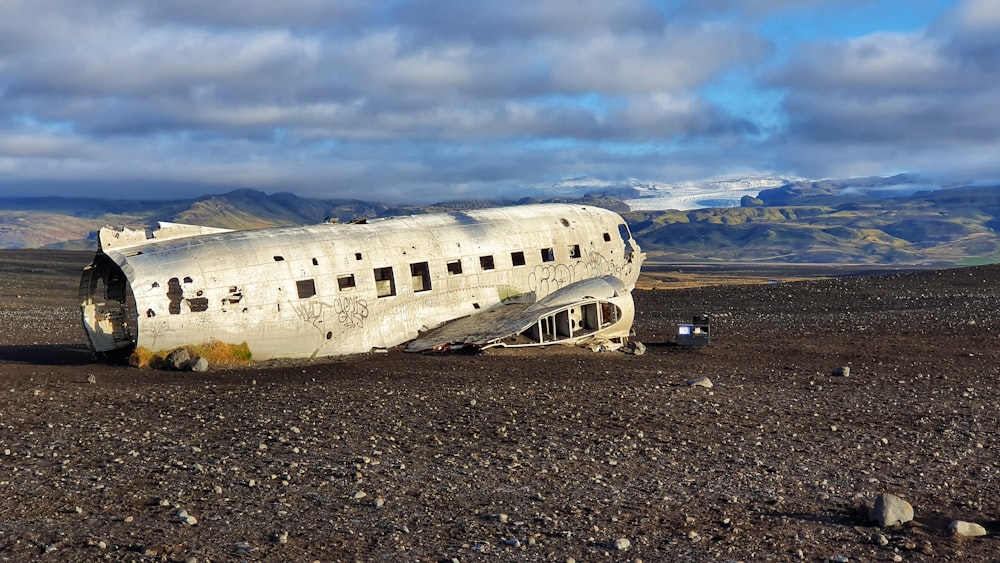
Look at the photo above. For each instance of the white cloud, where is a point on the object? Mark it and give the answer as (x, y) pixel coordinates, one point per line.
(410, 98)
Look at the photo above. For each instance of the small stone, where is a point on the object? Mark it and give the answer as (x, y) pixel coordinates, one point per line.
(198, 365)
(379, 501)
(842, 371)
(634, 347)
(186, 518)
(503, 518)
(91, 378)
(890, 510)
(244, 547)
(700, 382)
(967, 529)
(359, 495)
(513, 542)
(838, 559)
(621, 544)
(281, 537)
(218, 490)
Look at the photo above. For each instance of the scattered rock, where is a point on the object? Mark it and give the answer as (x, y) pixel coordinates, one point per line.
(700, 382)
(890, 510)
(199, 365)
(842, 371)
(91, 378)
(186, 518)
(634, 347)
(244, 547)
(967, 529)
(621, 544)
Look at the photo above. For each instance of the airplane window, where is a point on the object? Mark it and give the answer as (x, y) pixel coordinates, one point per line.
(574, 251)
(548, 255)
(455, 268)
(607, 237)
(306, 288)
(175, 294)
(623, 232)
(421, 276)
(385, 284)
(486, 262)
(346, 283)
(517, 258)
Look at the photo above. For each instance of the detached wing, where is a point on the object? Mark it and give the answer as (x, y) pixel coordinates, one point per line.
(594, 310)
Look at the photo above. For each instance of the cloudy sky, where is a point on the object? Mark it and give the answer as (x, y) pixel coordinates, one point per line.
(410, 101)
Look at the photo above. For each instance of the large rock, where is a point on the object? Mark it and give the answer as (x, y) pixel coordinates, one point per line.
(967, 529)
(890, 510)
(178, 359)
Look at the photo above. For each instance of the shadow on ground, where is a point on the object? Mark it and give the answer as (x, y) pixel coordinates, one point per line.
(47, 354)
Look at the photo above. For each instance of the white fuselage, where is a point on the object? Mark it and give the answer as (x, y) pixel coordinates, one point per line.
(331, 289)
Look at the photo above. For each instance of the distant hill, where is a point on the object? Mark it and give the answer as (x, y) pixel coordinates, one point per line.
(829, 221)
(69, 223)
(941, 227)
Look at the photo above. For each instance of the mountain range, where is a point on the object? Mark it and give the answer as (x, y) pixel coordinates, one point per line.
(858, 220)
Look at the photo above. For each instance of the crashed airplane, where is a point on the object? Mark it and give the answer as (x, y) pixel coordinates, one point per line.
(515, 276)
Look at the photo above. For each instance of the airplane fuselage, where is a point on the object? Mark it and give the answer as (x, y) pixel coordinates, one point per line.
(330, 289)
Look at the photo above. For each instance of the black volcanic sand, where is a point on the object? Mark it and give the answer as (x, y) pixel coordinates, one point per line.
(518, 455)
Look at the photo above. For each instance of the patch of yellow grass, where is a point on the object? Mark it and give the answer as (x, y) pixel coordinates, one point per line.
(217, 353)
(142, 357)
(222, 353)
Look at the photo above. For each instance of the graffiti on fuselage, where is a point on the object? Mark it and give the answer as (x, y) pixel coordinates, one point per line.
(311, 312)
(351, 311)
(547, 278)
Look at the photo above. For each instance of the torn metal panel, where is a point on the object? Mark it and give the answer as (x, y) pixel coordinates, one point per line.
(599, 309)
(331, 289)
(109, 238)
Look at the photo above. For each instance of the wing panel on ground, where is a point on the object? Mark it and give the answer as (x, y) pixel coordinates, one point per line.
(594, 309)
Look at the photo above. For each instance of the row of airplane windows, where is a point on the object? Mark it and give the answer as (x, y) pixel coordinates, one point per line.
(420, 275)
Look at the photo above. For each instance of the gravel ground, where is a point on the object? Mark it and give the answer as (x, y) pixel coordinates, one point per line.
(538, 455)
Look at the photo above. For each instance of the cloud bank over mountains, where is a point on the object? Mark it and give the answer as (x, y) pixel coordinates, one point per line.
(420, 101)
